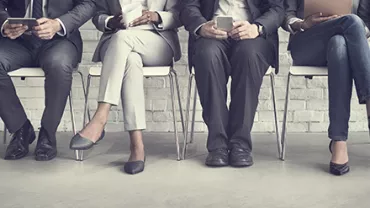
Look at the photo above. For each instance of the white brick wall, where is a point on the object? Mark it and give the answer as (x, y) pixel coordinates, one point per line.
(307, 108)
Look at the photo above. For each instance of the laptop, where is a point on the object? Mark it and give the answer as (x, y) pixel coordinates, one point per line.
(327, 7)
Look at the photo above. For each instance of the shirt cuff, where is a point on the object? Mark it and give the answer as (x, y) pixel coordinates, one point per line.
(2, 28)
(292, 21)
(106, 22)
(63, 32)
(196, 30)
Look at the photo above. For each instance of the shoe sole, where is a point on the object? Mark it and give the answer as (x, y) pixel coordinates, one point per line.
(16, 158)
(241, 164)
(216, 165)
(42, 158)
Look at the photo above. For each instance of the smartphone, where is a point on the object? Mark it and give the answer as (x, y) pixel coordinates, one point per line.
(30, 22)
(224, 23)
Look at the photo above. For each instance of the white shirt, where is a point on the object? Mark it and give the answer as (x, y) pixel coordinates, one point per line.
(238, 9)
(29, 15)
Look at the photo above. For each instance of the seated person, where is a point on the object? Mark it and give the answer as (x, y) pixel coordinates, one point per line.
(245, 53)
(55, 46)
(151, 40)
(341, 44)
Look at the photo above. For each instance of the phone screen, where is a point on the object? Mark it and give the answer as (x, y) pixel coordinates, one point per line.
(224, 23)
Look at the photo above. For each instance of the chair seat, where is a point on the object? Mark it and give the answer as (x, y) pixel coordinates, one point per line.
(269, 71)
(27, 72)
(157, 71)
(308, 71)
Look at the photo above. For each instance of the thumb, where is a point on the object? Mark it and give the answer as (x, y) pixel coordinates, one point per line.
(42, 20)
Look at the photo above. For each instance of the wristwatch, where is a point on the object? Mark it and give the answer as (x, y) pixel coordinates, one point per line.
(261, 30)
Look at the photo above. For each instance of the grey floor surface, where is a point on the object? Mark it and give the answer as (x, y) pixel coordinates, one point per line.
(301, 181)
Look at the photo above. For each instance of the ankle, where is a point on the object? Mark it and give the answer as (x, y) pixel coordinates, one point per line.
(136, 147)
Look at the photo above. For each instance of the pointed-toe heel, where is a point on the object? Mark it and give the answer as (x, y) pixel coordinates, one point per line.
(80, 143)
(337, 169)
(134, 167)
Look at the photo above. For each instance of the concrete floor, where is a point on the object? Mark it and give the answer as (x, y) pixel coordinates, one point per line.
(301, 181)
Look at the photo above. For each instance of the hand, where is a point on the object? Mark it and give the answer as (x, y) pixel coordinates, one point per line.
(14, 31)
(47, 28)
(146, 18)
(116, 22)
(244, 30)
(209, 30)
(316, 19)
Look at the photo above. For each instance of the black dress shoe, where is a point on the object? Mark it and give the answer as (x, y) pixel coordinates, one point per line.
(337, 169)
(240, 158)
(18, 147)
(134, 167)
(218, 158)
(80, 143)
(46, 148)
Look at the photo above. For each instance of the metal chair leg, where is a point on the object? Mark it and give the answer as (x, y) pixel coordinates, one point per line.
(179, 100)
(5, 133)
(86, 108)
(174, 115)
(194, 112)
(283, 132)
(72, 113)
(187, 112)
(272, 78)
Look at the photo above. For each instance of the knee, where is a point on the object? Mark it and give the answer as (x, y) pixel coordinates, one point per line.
(4, 67)
(355, 20)
(206, 51)
(246, 50)
(337, 46)
(58, 66)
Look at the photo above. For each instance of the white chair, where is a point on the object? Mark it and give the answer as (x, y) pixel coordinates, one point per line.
(24, 73)
(149, 72)
(269, 73)
(301, 71)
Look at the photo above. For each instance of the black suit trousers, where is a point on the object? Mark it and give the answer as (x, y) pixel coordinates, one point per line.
(58, 58)
(246, 62)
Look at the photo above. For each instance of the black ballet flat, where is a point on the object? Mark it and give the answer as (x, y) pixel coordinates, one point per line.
(337, 169)
(134, 167)
(80, 143)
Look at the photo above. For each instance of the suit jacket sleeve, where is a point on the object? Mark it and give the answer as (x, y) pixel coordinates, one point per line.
(271, 20)
(191, 16)
(79, 15)
(3, 13)
(291, 8)
(364, 13)
(170, 16)
(100, 18)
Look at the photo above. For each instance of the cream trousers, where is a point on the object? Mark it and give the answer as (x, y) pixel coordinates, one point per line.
(123, 57)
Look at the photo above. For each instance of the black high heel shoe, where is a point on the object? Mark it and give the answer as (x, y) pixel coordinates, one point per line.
(135, 167)
(80, 143)
(337, 169)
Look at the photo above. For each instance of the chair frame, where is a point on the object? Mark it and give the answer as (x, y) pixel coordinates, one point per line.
(172, 75)
(191, 78)
(69, 96)
(292, 74)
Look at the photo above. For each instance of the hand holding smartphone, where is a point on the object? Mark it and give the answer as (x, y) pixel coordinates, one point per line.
(224, 23)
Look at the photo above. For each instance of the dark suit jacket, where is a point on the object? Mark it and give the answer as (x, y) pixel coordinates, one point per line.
(73, 14)
(269, 13)
(295, 8)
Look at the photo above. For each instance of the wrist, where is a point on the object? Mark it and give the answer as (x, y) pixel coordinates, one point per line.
(57, 26)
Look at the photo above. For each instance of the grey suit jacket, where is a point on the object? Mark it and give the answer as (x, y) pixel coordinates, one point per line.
(73, 14)
(295, 8)
(167, 9)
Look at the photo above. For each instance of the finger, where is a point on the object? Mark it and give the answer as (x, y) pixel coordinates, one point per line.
(14, 26)
(238, 30)
(139, 20)
(42, 20)
(142, 22)
(41, 27)
(240, 23)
